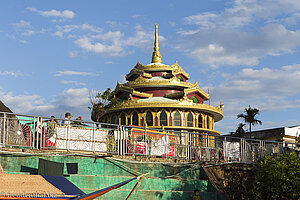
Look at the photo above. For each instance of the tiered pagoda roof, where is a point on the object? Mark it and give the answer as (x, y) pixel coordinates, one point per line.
(158, 86)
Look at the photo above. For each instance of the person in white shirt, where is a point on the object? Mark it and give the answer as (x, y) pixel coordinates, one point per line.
(66, 122)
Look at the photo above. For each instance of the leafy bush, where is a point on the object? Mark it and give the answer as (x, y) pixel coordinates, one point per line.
(278, 178)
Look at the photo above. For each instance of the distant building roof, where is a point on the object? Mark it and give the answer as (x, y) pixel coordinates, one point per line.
(292, 131)
(4, 108)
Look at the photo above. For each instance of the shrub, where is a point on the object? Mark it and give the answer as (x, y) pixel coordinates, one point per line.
(278, 178)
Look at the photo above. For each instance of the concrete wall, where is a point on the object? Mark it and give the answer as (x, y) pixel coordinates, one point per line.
(98, 173)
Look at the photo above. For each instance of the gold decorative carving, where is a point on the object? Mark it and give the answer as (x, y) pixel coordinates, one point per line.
(216, 112)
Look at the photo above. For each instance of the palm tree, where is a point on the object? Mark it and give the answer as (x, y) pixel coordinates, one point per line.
(239, 132)
(249, 116)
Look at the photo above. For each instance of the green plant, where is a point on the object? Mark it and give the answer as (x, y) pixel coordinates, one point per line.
(249, 117)
(101, 102)
(278, 178)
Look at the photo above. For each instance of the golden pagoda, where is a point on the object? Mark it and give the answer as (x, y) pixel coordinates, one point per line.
(158, 96)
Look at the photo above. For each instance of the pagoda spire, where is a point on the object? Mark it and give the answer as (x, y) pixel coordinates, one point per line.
(156, 56)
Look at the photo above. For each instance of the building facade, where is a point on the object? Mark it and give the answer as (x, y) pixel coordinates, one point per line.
(157, 95)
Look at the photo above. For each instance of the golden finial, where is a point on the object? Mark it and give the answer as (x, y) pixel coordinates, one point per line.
(156, 56)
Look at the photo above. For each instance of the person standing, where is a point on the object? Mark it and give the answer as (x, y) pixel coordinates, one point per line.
(66, 121)
(196, 195)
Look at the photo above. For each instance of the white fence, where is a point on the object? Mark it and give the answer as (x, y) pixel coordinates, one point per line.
(24, 131)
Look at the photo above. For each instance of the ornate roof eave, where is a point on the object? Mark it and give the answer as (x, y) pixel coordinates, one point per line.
(216, 112)
(142, 94)
(179, 70)
(157, 67)
(123, 88)
(196, 88)
(172, 83)
(137, 72)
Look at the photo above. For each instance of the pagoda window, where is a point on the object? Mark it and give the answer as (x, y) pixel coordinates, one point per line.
(149, 118)
(163, 118)
(190, 120)
(123, 119)
(128, 121)
(194, 99)
(177, 119)
(135, 119)
(207, 122)
(200, 122)
(113, 119)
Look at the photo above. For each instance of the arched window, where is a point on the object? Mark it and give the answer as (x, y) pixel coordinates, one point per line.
(149, 119)
(207, 122)
(200, 122)
(128, 120)
(194, 99)
(135, 119)
(190, 120)
(123, 119)
(177, 119)
(113, 119)
(163, 118)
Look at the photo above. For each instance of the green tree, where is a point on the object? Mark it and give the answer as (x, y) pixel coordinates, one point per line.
(249, 117)
(239, 132)
(298, 139)
(101, 102)
(277, 178)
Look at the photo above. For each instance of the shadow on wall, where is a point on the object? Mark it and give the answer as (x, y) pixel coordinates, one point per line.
(31, 170)
(189, 177)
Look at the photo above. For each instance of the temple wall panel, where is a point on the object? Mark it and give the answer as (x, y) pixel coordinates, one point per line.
(156, 74)
(183, 78)
(195, 94)
(187, 123)
(158, 92)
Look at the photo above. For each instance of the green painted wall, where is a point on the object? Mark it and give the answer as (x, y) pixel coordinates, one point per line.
(94, 174)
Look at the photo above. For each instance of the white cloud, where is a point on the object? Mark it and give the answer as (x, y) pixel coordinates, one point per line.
(73, 54)
(24, 103)
(69, 72)
(54, 13)
(114, 43)
(29, 33)
(229, 47)
(74, 100)
(23, 41)
(59, 34)
(11, 73)
(98, 47)
(243, 13)
(267, 89)
(61, 30)
(76, 83)
(22, 24)
(243, 33)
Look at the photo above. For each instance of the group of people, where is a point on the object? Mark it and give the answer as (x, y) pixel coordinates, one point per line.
(67, 121)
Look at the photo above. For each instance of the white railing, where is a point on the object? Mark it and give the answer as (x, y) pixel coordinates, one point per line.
(34, 132)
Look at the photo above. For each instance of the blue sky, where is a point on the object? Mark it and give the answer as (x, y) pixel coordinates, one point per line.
(246, 52)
